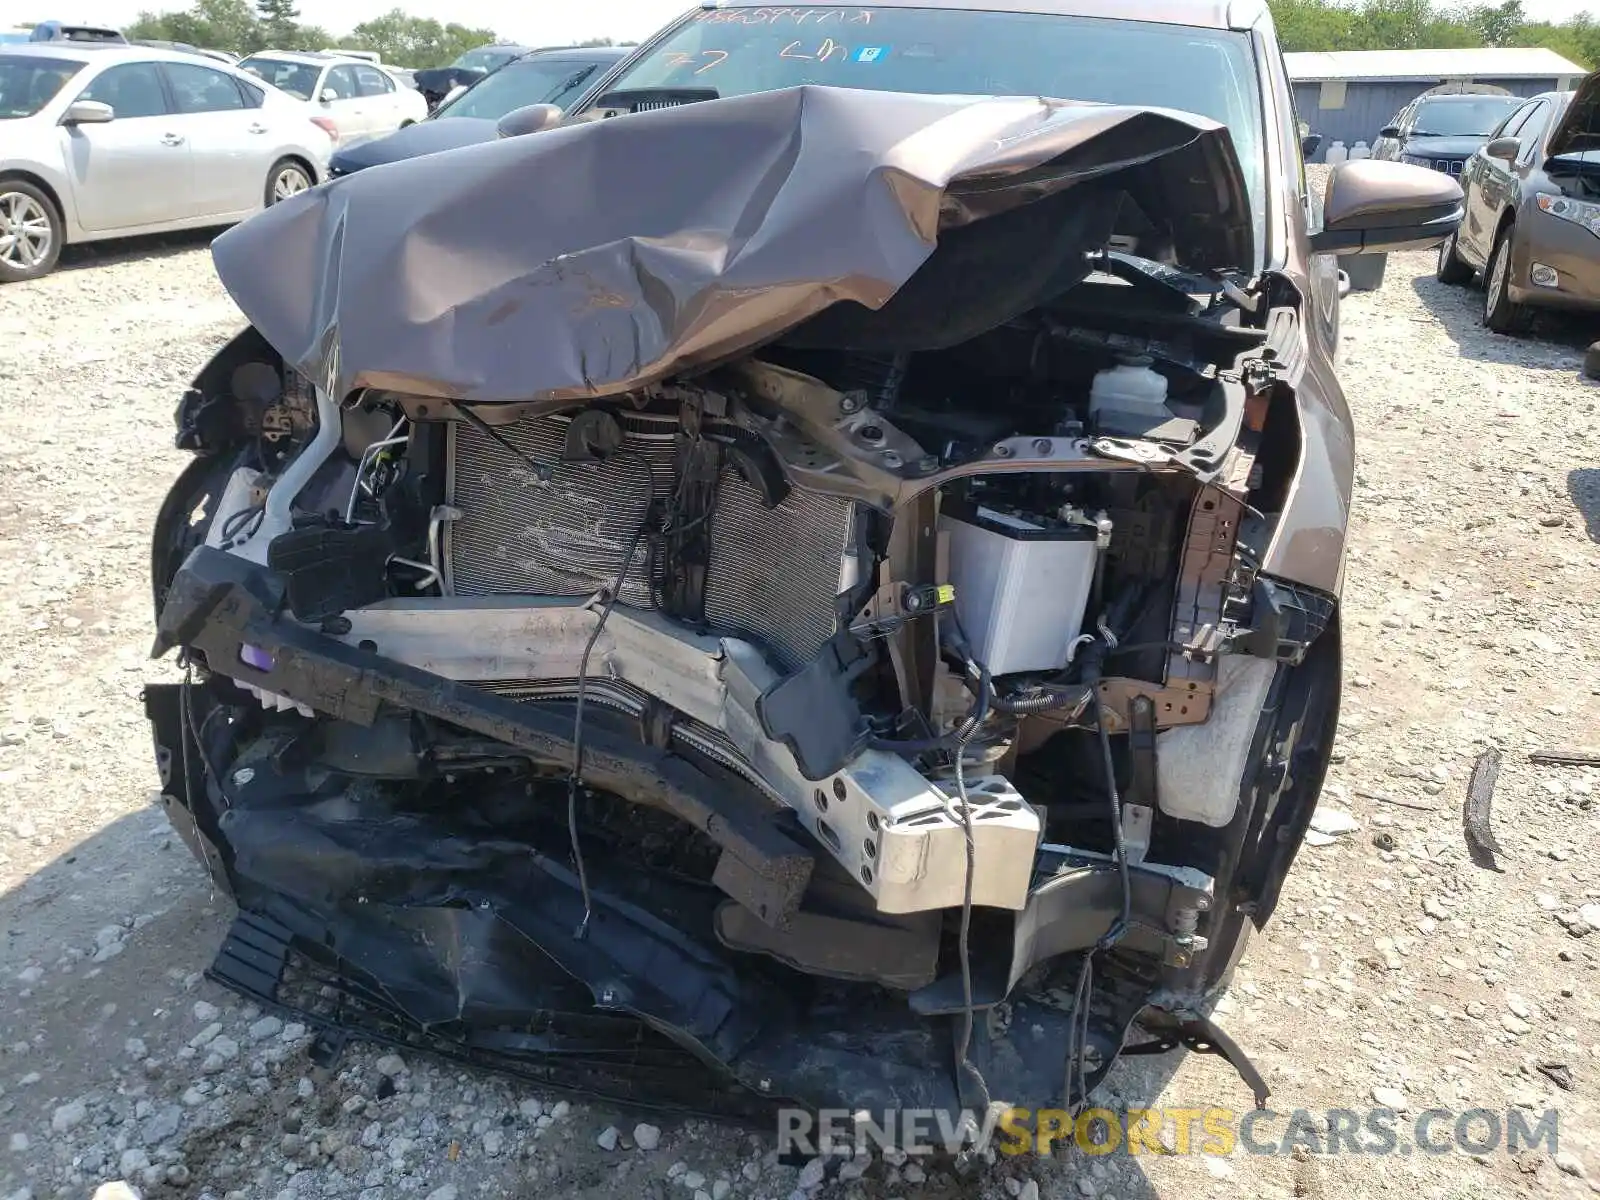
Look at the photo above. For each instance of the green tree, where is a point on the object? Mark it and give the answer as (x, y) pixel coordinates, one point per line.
(280, 20)
(415, 41)
(1501, 24)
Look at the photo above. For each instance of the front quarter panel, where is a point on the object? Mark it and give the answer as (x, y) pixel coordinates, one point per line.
(1309, 543)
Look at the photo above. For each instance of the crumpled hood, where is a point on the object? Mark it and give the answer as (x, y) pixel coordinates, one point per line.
(603, 255)
(425, 137)
(1579, 127)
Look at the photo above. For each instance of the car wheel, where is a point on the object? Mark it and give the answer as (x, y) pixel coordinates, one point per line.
(1500, 312)
(287, 178)
(1452, 269)
(30, 232)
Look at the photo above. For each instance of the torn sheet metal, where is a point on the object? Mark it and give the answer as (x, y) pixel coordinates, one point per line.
(591, 259)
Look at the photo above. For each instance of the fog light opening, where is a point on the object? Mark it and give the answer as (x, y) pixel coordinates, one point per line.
(1544, 276)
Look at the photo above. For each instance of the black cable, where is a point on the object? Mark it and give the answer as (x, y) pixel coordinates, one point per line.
(541, 471)
(1141, 647)
(1078, 1038)
(235, 522)
(583, 676)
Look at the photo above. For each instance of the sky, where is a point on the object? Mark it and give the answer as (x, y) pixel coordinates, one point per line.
(542, 22)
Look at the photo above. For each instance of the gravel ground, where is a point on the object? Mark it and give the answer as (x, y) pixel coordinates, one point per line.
(1398, 972)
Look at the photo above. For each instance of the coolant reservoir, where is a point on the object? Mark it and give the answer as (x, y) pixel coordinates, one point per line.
(1337, 153)
(1129, 398)
(1359, 151)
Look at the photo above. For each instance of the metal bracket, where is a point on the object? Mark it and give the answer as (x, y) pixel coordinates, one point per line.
(1201, 1036)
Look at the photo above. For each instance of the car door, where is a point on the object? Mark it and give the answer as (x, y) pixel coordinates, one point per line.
(1483, 181)
(347, 107)
(1502, 181)
(135, 169)
(225, 140)
(380, 100)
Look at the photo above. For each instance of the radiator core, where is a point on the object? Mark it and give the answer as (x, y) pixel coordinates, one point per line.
(773, 577)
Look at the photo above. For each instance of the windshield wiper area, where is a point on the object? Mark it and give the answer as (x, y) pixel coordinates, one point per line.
(633, 100)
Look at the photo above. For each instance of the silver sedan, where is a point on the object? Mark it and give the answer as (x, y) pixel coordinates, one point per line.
(113, 141)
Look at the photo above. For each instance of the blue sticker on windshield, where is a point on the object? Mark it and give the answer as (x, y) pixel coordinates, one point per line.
(871, 54)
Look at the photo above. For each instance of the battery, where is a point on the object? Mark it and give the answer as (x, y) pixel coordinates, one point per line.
(1022, 585)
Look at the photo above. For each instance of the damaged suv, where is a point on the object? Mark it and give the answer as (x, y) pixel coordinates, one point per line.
(834, 604)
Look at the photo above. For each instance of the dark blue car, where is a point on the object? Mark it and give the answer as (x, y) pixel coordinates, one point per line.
(541, 77)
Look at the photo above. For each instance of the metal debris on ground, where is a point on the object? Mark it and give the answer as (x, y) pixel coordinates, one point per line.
(1565, 758)
(1475, 813)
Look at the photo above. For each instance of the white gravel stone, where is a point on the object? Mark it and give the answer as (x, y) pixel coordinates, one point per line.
(69, 1116)
(391, 1065)
(608, 1138)
(264, 1028)
(646, 1137)
(1030, 1190)
(1391, 1097)
(811, 1175)
(205, 1012)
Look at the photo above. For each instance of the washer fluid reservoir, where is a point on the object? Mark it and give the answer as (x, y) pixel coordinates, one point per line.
(1129, 398)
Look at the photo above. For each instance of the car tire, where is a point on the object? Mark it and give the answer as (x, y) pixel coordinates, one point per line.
(1500, 313)
(30, 232)
(1452, 269)
(288, 177)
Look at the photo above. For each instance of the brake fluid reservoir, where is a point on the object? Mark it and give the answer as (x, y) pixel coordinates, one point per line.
(1129, 398)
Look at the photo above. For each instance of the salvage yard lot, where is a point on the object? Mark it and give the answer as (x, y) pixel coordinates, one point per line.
(1471, 621)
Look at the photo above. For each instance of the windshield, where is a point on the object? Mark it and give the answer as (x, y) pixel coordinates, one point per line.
(28, 83)
(298, 79)
(532, 81)
(484, 60)
(1462, 118)
(958, 52)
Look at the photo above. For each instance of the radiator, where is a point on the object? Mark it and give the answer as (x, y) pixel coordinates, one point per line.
(774, 576)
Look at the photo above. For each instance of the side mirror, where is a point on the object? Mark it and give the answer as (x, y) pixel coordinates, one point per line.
(1389, 131)
(533, 118)
(328, 95)
(1310, 144)
(88, 112)
(1373, 206)
(1505, 149)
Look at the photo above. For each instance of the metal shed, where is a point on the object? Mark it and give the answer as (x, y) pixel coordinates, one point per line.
(1349, 95)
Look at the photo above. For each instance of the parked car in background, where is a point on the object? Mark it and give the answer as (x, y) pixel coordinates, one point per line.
(543, 77)
(1532, 222)
(435, 83)
(371, 56)
(100, 141)
(186, 48)
(360, 100)
(1443, 131)
(57, 31)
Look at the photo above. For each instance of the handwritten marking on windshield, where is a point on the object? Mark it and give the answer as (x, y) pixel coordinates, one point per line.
(776, 16)
(682, 58)
(828, 49)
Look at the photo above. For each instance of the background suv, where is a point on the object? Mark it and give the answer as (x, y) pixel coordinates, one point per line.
(1442, 132)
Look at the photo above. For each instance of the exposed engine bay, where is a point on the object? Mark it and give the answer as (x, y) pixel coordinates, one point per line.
(824, 716)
